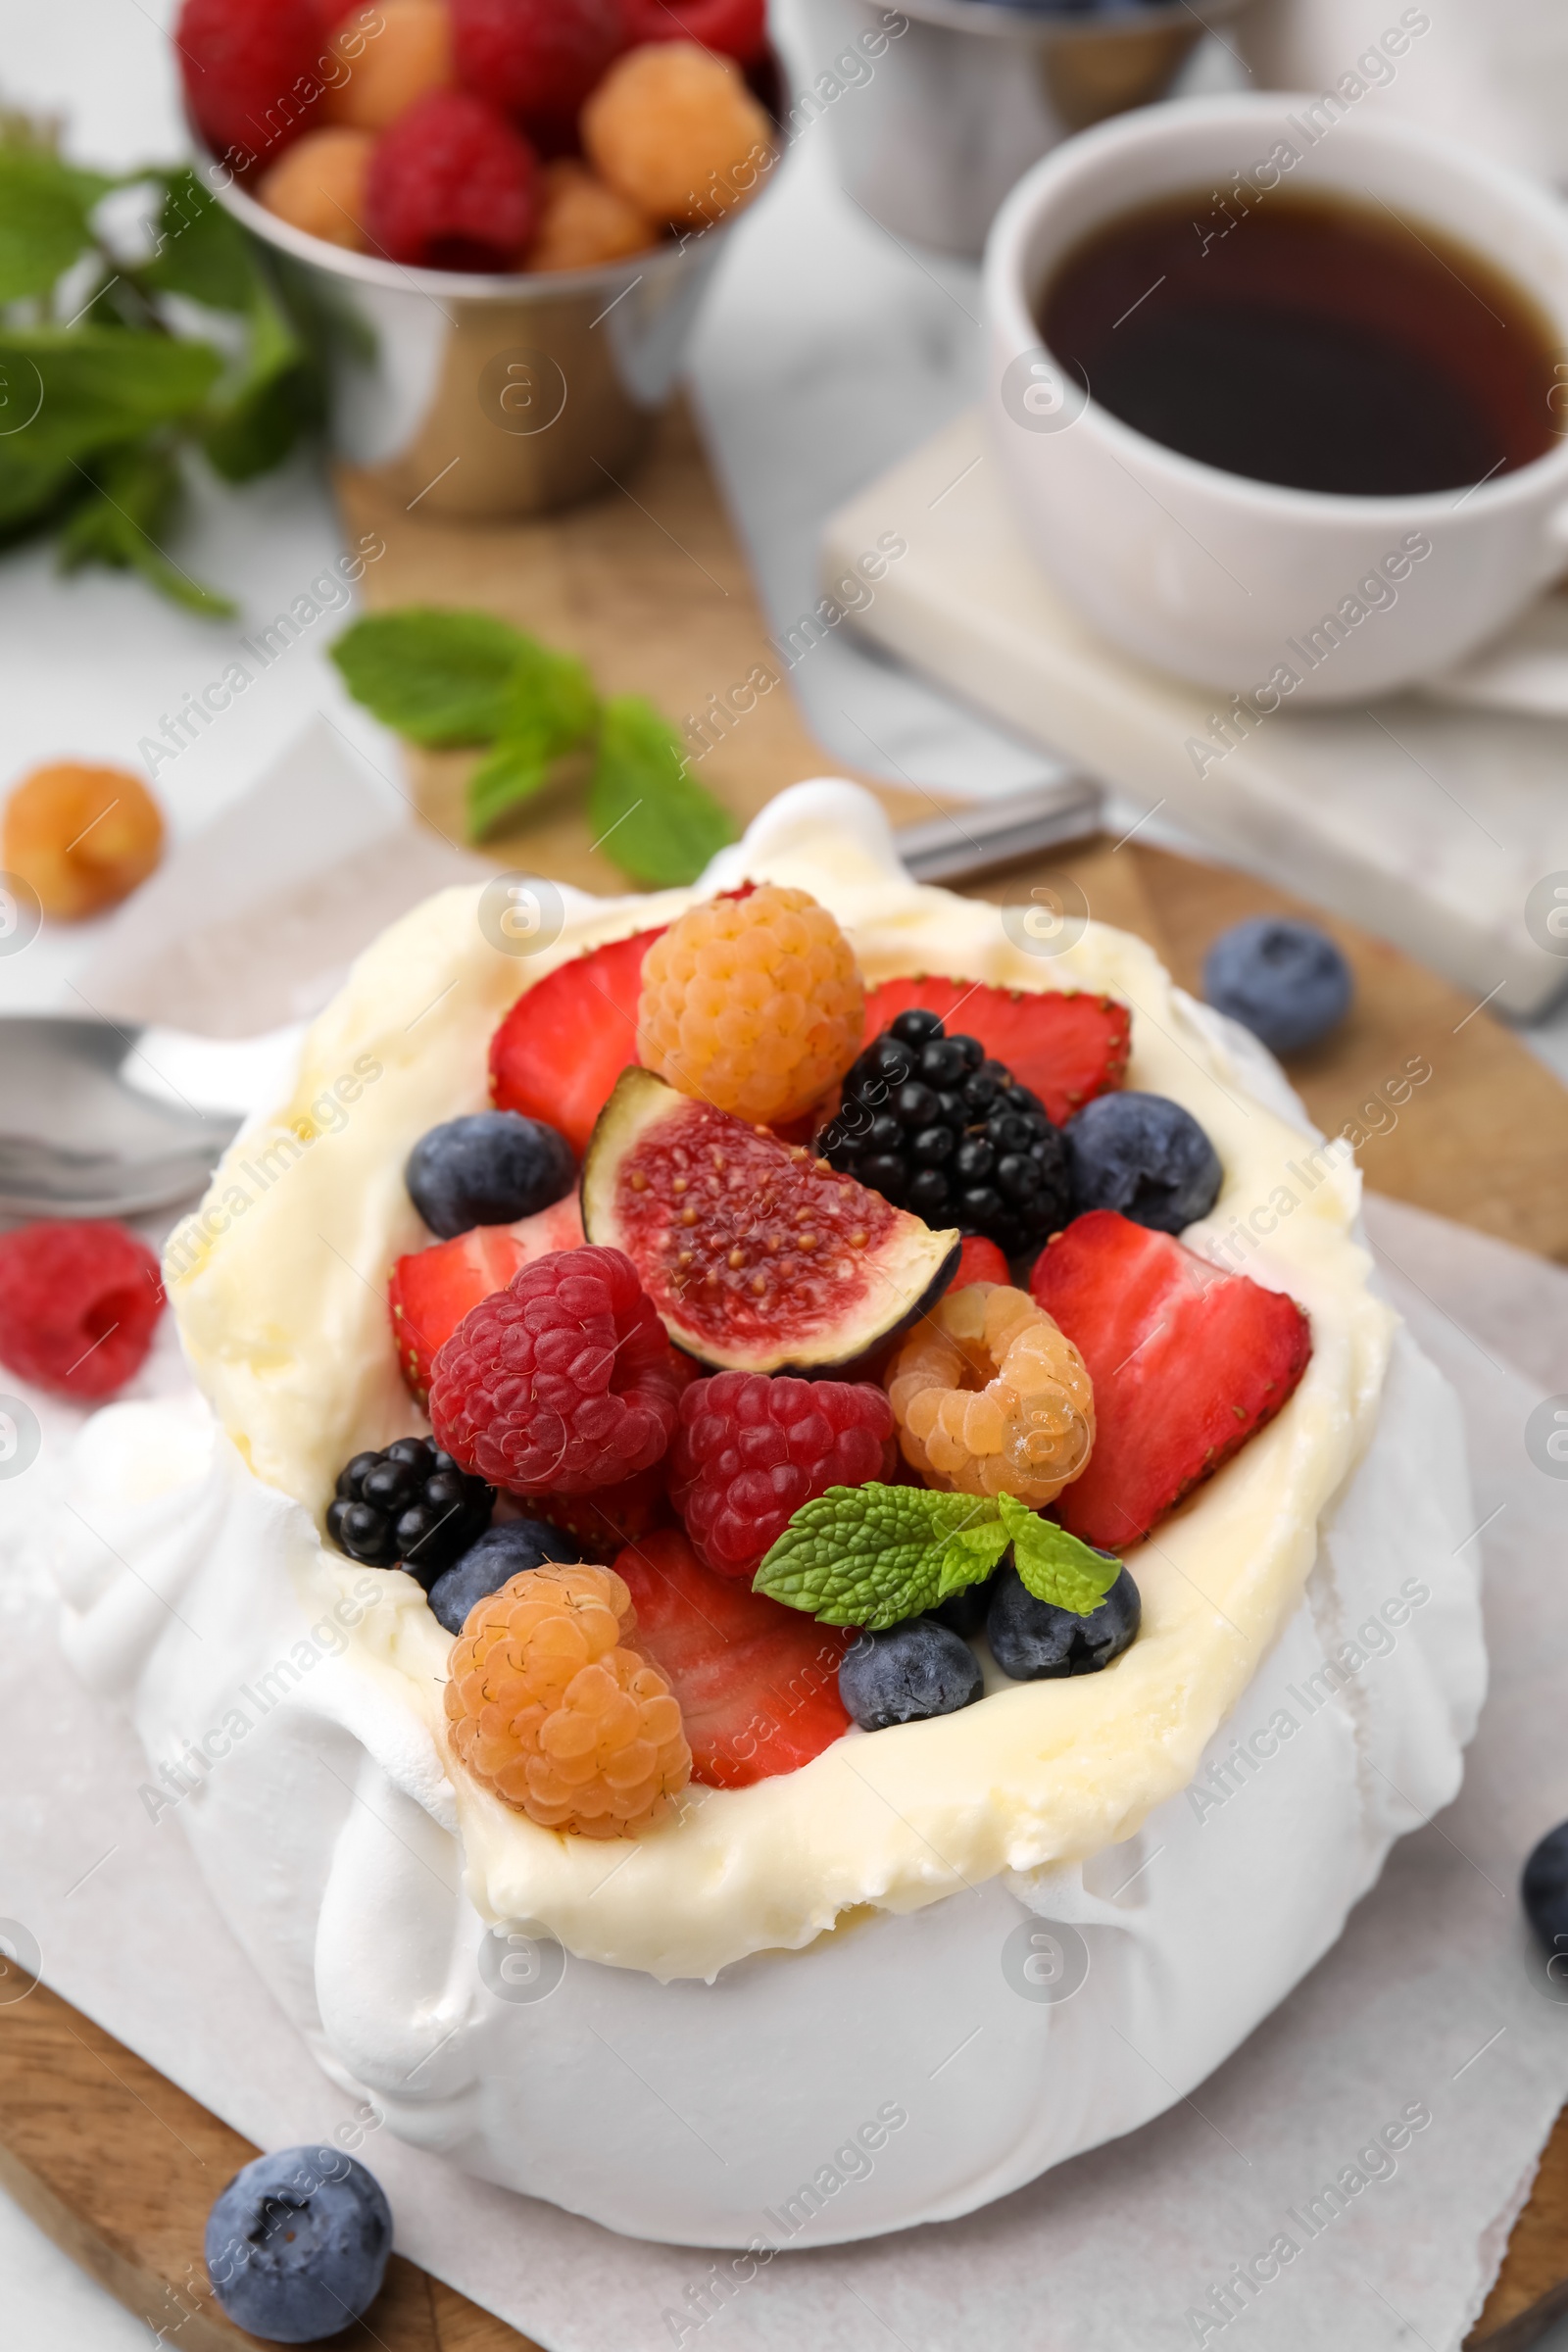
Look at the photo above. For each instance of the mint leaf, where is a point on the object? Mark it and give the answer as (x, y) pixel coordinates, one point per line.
(45, 219)
(1054, 1565)
(873, 1555)
(511, 773)
(648, 813)
(552, 708)
(90, 387)
(201, 252)
(134, 500)
(253, 420)
(435, 675)
(970, 1557)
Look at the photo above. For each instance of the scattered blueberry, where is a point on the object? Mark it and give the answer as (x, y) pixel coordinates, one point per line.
(966, 1612)
(1544, 1889)
(501, 1552)
(490, 1169)
(412, 1504)
(1286, 982)
(297, 2244)
(1144, 1156)
(1034, 1642)
(912, 1671)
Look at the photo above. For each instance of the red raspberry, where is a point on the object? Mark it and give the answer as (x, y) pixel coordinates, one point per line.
(77, 1306)
(738, 27)
(563, 1381)
(750, 1450)
(453, 186)
(535, 56)
(249, 70)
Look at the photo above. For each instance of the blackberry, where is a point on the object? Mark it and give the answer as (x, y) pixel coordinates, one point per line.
(935, 1128)
(412, 1504)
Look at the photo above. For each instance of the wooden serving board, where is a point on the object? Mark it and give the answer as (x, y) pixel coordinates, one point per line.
(649, 585)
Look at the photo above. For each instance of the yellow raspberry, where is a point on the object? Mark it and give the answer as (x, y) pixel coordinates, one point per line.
(674, 128)
(754, 1004)
(991, 1397)
(548, 1709)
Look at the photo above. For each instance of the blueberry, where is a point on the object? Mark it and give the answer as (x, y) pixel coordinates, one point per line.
(1544, 1889)
(1144, 1156)
(1286, 982)
(490, 1169)
(501, 1552)
(297, 2244)
(1034, 1642)
(912, 1671)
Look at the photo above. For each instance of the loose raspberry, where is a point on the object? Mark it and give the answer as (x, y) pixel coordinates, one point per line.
(453, 186)
(84, 837)
(563, 1381)
(552, 1712)
(676, 130)
(753, 1003)
(737, 26)
(750, 1450)
(991, 1397)
(78, 1304)
(247, 67)
(535, 56)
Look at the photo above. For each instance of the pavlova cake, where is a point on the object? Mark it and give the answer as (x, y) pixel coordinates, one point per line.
(801, 1530)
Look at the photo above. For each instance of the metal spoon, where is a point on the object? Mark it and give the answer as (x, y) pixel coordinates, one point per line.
(77, 1139)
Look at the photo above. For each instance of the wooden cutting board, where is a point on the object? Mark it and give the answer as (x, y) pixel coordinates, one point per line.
(650, 586)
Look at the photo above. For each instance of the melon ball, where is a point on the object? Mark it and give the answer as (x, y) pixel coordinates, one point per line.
(318, 186)
(585, 223)
(390, 68)
(674, 129)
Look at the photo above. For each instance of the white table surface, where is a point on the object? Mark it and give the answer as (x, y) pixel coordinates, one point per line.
(826, 352)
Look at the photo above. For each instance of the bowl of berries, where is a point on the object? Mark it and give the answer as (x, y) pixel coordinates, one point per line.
(494, 218)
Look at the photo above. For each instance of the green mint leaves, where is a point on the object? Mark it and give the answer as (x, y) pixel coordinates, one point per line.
(443, 677)
(873, 1555)
(101, 410)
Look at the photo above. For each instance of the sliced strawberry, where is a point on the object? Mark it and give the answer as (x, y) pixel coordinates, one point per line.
(432, 1290)
(1065, 1046)
(558, 1052)
(980, 1261)
(758, 1684)
(1187, 1363)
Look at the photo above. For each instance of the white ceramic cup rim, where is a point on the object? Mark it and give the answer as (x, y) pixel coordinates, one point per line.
(1093, 156)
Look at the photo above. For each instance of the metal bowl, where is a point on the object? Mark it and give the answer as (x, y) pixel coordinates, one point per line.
(959, 103)
(490, 397)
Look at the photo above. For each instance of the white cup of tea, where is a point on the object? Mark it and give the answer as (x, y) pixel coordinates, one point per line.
(1272, 593)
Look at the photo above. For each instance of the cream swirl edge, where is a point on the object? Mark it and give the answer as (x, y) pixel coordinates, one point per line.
(283, 1319)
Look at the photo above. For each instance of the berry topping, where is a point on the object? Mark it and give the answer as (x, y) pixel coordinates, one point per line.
(610, 1516)
(1187, 1363)
(1145, 1157)
(84, 837)
(503, 1551)
(1543, 1888)
(78, 1304)
(583, 224)
(412, 1504)
(246, 67)
(408, 52)
(1062, 1045)
(493, 1167)
(1286, 982)
(550, 1709)
(758, 1258)
(318, 186)
(758, 1684)
(737, 26)
(750, 1451)
(297, 2244)
(908, 1674)
(535, 56)
(1034, 1642)
(432, 1290)
(927, 1122)
(451, 185)
(754, 1004)
(565, 1379)
(676, 130)
(558, 1052)
(991, 1397)
(980, 1261)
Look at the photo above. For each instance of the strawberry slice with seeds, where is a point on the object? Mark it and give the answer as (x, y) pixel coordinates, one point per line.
(1065, 1046)
(558, 1052)
(758, 1684)
(1187, 1363)
(432, 1290)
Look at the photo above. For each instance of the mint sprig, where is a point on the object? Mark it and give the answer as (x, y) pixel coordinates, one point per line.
(453, 677)
(873, 1555)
